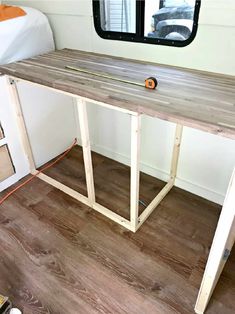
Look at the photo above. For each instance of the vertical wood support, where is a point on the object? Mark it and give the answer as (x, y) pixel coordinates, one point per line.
(173, 171)
(176, 151)
(86, 147)
(221, 246)
(135, 170)
(15, 101)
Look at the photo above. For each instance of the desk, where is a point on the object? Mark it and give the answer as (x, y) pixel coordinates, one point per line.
(201, 100)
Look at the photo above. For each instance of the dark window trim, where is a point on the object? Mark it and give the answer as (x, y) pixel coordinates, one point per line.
(161, 4)
(139, 36)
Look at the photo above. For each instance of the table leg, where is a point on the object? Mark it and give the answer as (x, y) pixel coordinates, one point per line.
(221, 246)
(15, 102)
(176, 151)
(83, 122)
(135, 170)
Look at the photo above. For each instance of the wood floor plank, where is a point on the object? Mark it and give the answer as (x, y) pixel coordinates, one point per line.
(59, 261)
(59, 256)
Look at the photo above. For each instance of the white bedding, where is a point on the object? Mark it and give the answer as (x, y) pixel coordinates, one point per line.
(24, 37)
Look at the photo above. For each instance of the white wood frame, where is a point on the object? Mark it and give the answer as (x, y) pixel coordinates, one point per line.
(224, 237)
(174, 164)
(15, 101)
(135, 170)
(221, 246)
(136, 220)
(11, 138)
(86, 147)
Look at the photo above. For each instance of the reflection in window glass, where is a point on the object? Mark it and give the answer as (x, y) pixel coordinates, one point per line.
(169, 19)
(161, 22)
(118, 15)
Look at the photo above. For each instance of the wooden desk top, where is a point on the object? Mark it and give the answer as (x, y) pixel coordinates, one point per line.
(197, 99)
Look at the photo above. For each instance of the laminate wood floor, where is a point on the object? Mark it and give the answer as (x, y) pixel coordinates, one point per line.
(59, 256)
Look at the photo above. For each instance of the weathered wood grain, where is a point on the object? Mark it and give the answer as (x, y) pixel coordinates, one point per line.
(59, 256)
(196, 99)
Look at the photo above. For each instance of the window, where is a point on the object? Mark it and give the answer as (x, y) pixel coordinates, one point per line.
(165, 22)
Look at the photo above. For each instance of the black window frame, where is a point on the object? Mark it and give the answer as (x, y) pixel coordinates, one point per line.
(138, 36)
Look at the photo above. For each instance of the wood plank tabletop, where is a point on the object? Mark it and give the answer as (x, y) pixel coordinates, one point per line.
(197, 99)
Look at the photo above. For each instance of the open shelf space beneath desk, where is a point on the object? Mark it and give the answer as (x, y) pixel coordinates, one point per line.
(111, 178)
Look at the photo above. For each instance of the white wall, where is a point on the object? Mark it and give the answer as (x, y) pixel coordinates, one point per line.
(50, 123)
(11, 138)
(206, 161)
